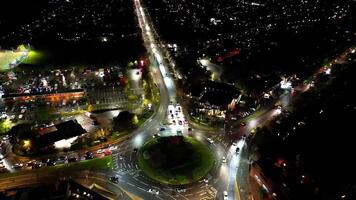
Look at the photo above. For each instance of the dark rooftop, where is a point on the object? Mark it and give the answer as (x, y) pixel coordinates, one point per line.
(64, 130)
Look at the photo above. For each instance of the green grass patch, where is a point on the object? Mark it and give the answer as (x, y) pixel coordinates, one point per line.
(34, 58)
(171, 161)
(8, 57)
(144, 117)
(94, 164)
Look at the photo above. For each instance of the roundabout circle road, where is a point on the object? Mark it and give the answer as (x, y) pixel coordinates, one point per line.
(175, 160)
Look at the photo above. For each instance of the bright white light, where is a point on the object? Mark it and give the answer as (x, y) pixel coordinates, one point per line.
(7, 164)
(204, 62)
(252, 123)
(168, 82)
(158, 57)
(65, 143)
(162, 69)
(138, 140)
(328, 71)
(286, 84)
(101, 74)
(277, 111)
(135, 74)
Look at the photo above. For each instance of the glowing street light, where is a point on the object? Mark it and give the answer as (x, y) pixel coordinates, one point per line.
(252, 123)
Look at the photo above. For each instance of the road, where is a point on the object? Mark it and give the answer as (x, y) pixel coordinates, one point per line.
(230, 176)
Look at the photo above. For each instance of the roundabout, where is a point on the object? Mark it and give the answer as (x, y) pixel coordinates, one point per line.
(175, 160)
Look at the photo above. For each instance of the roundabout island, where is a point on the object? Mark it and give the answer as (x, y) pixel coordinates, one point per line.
(175, 160)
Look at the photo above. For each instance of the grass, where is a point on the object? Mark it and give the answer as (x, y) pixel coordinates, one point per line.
(202, 163)
(6, 58)
(144, 117)
(33, 58)
(98, 163)
(254, 115)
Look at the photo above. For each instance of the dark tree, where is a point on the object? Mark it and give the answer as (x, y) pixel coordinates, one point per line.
(124, 121)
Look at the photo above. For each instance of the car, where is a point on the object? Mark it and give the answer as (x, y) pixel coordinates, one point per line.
(190, 129)
(51, 163)
(210, 140)
(180, 190)
(72, 159)
(153, 191)
(172, 115)
(174, 122)
(89, 155)
(156, 135)
(242, 124)
(60, 161)
(113, 148)
(170, 111)
(162, 129)
(107, 152)
(135, 150)
(114, 179)
(95, 122)
(225, 195)
(17, 165)
(37, 165)
(44, 160)
(62, 158)
(100, 151)
(237, 150)
(31, 163)
(234, 144)
(180, 122)
(243, 136)
(223, 159)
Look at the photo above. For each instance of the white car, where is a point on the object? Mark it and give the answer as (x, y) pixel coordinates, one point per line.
(223, 159)
(180, 190)
(225, 195)
(17, 166)
(113, 148)
(153, 191)
(99, 151)
(210, 140)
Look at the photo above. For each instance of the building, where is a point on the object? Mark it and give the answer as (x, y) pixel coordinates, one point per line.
(60, 135)
(214, 97)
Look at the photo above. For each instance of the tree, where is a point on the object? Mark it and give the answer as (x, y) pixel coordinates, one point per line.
(5, 126)
(90, 108)
(124, 121)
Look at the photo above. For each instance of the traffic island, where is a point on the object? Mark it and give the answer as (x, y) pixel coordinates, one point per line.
(175, 160)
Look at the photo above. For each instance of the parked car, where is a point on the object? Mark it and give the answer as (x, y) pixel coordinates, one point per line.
(153, 191)
(225, 195)
(223, 159)
(210, 140)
